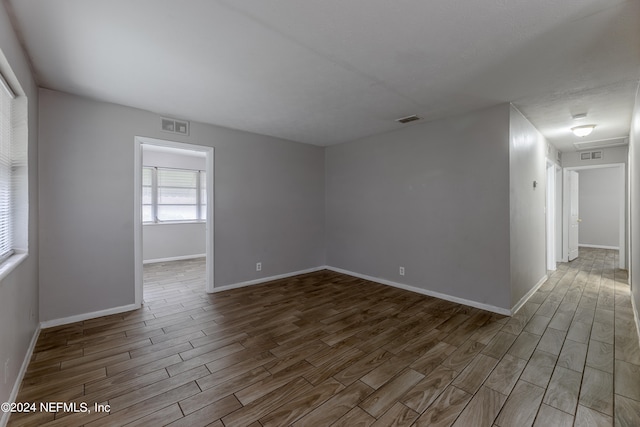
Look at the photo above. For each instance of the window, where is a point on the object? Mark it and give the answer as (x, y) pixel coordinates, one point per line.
(8, 170)
(170, 195)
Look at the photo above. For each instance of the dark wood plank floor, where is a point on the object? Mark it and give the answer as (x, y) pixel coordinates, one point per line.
(328, 349)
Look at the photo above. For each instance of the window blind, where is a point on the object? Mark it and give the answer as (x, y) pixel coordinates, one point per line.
(6, 174)
(148, 210)
(173, 195)
(177, 195)
(203, 195)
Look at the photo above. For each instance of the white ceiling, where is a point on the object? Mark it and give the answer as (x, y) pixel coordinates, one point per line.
(330, 71)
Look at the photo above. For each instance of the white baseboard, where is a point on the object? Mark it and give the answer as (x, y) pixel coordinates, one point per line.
(582, 245)
(23, 369)
(86, 316)
(175, 258)
(266, 279)
(528, 295)
(439, 295)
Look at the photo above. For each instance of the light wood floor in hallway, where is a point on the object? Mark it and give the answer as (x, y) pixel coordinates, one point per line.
(325, 349)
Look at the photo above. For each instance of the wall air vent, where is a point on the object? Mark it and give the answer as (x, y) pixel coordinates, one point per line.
(408, 119)
(591, 155)
(181, 127)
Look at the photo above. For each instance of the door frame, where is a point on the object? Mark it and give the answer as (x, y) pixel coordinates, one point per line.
(572, 179)
(550, 215)
(139, 141)
(622, 235)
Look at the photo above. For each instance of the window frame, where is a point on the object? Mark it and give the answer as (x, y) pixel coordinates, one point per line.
(18, 185)
(7, 172)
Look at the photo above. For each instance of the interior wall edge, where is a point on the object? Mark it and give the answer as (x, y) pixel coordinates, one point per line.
(529, 294)
(527, 200)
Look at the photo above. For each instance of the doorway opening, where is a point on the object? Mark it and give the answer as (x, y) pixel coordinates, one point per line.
(578, 198)
(173, 213)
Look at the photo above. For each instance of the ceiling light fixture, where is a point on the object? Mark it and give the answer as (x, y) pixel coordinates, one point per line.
(582, 131)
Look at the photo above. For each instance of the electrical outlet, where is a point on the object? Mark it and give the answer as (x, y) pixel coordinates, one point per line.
(258, 266)
(402, 271)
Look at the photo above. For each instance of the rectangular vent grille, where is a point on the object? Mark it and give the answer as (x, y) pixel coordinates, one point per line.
(408, 119)
(591, 155)
(180, 127)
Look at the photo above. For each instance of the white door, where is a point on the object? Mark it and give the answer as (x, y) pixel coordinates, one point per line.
(574, 219)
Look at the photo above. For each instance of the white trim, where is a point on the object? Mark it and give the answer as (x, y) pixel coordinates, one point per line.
(153, 224)
(439, 295)
(138, 225)
(23, 369)
(550, 215)
(584, 245)
(601, 166)
(635, 315)
(12, 263)
(558, 218)
(622, 254)
(7, 87)
(565, 216)
(86, 316)
(446, 297)
(268, 279)
(175, 258)
(138, 258)
(528, 295)
(209, 227)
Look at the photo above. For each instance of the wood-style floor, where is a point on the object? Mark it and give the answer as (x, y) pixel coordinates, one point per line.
(328, 349)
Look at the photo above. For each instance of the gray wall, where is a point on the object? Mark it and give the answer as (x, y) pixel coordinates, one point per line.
(599, 203)
(634, 190)
(162, 241)
(527, 163)
(269, 203)
(431, 197)
(19, 290)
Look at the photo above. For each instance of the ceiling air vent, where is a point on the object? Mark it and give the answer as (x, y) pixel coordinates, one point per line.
(408, 119)
(180, 127)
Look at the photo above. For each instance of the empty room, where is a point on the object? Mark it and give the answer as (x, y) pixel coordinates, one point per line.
(272, 213)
